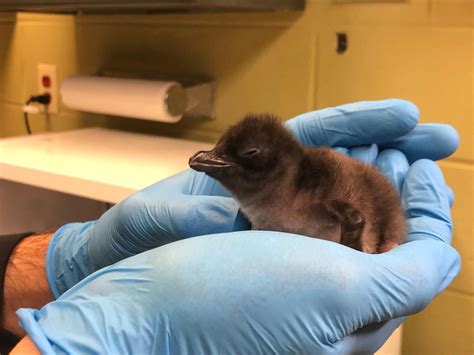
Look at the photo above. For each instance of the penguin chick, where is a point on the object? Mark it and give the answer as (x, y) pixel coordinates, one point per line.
(318, 192)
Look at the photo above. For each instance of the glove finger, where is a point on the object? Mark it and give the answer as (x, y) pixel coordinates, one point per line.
(394, 165)
(208, 215)
(145, 226)
(425, 199)
(400, 282)
(355, 124)
(365, 153)
(187, 182)
(201, 184)
(342, 150)
(192, 216)
(369, 339)
(426, 141)
(450, 193)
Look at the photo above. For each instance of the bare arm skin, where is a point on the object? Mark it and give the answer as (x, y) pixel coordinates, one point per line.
(25, 347)
(26, 284)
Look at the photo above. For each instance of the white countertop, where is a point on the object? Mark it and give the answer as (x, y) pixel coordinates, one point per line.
(96, 163)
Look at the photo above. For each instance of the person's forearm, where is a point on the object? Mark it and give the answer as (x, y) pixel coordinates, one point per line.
(25, 346)
(26, 283)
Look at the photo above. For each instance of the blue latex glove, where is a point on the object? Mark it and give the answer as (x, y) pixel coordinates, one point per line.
(259, 292)
(191, 203)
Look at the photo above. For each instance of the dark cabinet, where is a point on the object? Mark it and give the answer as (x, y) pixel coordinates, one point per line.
(71, 6)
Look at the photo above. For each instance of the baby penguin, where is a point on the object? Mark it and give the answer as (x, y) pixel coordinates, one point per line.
(317, 192)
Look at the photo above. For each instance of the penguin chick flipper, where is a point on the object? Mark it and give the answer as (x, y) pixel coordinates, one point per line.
(352, 223)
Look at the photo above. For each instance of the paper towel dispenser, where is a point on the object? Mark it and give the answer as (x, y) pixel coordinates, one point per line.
(72, 6)
(155, 100)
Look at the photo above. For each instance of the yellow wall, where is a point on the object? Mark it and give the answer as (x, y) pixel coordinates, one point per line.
(420, 50)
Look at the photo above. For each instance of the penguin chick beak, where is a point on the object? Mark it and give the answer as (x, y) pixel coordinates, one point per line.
(208, 162)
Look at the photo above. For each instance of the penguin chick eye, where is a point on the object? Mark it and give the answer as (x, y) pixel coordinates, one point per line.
(250, 152)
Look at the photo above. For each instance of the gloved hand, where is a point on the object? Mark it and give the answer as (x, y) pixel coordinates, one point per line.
(259, 292)
(191, 203)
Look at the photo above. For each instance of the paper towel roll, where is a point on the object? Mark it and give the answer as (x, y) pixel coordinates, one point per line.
(145, 99)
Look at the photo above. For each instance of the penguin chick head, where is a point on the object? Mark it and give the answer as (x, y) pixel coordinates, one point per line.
(250, 154)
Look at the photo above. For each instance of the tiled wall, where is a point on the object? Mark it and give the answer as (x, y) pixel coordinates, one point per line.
(420, 50)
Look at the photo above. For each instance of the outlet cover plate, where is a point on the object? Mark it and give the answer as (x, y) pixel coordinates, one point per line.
(50, 71)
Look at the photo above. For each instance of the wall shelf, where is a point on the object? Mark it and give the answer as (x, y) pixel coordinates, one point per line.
(120, 6)
(96, 163)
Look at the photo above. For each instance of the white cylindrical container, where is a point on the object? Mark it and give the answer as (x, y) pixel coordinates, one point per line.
(144, 99)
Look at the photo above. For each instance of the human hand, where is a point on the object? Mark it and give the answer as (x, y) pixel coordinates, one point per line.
(259, 292)
(191, 203)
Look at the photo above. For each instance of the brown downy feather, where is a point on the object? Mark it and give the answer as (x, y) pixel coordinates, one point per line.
(317, 192)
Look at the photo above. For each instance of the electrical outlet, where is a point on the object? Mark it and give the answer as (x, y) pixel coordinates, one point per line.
(48, 83)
